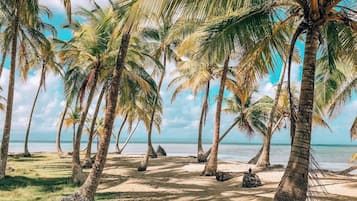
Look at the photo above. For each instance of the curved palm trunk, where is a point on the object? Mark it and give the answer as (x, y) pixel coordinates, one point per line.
(211, 165)
(87, 191)
(10, 95)
(264, 159)
(117, 149)
(3, 58)
(294, 183)
(200, 153)
(208, 152)
(255, 159)
(129, 137)
(78, 176)
(87, 158)
(150, 150)
(26, 149)
(58, 137)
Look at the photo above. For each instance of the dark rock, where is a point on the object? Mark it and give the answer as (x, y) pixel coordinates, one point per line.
(223, 176)
(250, 180)
(160, 151)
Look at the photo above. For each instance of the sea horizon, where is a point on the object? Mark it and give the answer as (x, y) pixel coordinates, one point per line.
(330, 157)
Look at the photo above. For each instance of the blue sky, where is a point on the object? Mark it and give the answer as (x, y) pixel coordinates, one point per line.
(180, 118)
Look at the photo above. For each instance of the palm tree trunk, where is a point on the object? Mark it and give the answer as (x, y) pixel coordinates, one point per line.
(87, 191)
(264, 159)
(3, 58)
(150, 150)
(10, 95)
(211, 165)
(117, 149)
(26, 149)
(293, 185)
(129, 137)
(78, 176)
(87, 158)
(208, 152)
(58, 138)
(200, 152)
(255, 159)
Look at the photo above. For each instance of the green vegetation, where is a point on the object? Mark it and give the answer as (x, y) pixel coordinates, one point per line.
(125, 48)
(44, 176)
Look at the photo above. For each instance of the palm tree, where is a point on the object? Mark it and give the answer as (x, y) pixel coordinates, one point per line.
(59, 131)
(161, 47)
(196, 76)
(21, 17)
(130, 12)
(211, 166)
(316, 16)
(92, 45)
(87, 159)
(48, 63)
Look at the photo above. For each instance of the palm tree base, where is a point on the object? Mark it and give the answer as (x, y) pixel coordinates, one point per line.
(142, 169)
(152, 153)
(76, 197)
(87, 163)
(27, 154)
(201, 158)
(78, 176)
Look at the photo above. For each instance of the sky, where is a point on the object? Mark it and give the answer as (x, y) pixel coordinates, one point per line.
(180, 119)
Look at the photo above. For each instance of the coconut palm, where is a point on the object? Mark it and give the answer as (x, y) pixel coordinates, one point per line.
(160, 47)
(47, 63)
(130, 13)
(22, 27)
(194, 75)
(313, 16)
(90, 47)
(87, 159)
(316, 16)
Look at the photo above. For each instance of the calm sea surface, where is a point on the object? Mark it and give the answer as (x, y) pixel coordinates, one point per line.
(328, 157)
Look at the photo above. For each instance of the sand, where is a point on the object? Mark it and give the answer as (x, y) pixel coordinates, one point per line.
(178, 178)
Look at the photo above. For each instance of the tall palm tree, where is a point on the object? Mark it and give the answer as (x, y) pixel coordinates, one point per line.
(130, 13)
(161, 47)
(87, 159)
(316, 16)
(211, 165)
(22, 21)
(92, 45)
(195, 75)
(47, 63)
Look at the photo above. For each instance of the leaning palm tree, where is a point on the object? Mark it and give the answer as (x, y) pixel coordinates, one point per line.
(160, 47)
(22, 22)
(129, 12)
(195, 75)
(47, 63)
(90, 46)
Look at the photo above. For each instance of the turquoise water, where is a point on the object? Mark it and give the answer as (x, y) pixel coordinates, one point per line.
(330, 157)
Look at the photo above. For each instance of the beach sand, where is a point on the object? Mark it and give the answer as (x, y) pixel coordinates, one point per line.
(178, 178)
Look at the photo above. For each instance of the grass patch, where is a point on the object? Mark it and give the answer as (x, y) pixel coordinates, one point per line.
(42, 177)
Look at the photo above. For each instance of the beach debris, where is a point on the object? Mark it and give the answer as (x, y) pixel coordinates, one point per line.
(251, 180)
(223, 176)
(161, 151)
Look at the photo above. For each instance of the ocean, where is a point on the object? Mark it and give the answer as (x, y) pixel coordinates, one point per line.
(331, 157)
